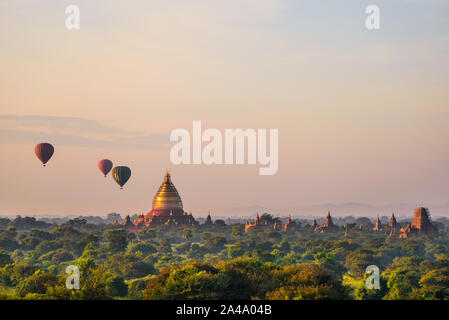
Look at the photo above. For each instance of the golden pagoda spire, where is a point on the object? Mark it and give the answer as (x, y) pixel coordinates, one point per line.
(166, 176)
(167, 199)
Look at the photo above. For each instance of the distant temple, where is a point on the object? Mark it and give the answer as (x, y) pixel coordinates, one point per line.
(393, 225)
(390, 229)
(327, 226)
(378, 227)
(209, 221)
(167, 209)
(257, 224)
(140, 222)
(421, 225)
(127, 223)
(290, 225)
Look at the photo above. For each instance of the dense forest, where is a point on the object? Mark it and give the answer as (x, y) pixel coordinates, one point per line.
(216, 262)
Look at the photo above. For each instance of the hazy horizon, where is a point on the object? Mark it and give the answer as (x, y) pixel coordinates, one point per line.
(402, 211)
(362, 115)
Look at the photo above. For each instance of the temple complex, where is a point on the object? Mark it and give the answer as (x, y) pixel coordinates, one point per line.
(167, 209)
(327, 226)
(421, 225)
(290, 225)
(256, 224)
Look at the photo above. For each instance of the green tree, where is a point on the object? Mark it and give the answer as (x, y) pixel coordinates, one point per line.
(266, 217)
(307, 282)
(403, 284)
(146, 234)
(363, 293)
(237, 231)
(117, 240)
(187, 234)
(47, 246)
(144, 247)
(129, 265)
(17, 255)
(215, 244)
(4, 259)
(136, 288)
(195, 252)
(357, 261)
(116, 286)
(37, 283)
(132, 236)
(8, 244)
(235, 251)
(237, 279)
(86, 266)
(164, 246)
(75, 223)
(284, 246)
(435, 281)
(183, 247)
(327, 260)
(11, 232)
(93, 285)
(205, 236)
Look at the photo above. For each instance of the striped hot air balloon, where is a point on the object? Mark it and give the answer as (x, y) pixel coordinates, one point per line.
(121, 175)
(44, 151)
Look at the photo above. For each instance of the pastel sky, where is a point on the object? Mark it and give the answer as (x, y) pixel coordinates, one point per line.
(363, 116)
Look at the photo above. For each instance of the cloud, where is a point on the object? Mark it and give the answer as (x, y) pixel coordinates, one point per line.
(73, 131)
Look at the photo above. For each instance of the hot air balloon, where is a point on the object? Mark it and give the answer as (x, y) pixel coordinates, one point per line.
(121, 175)
(44, 151)
(105, 166)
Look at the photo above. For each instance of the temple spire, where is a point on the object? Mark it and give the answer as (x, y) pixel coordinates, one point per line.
(167, 176)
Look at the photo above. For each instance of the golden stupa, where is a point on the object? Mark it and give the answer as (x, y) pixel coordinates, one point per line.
(167, 201)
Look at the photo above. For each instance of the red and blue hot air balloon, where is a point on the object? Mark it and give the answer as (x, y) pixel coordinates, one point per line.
(44, 151)
(105, 166)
